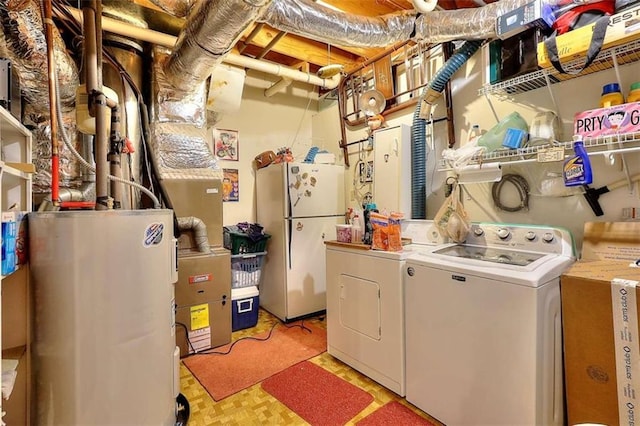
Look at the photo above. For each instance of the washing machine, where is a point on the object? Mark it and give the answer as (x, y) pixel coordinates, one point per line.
(483, 326)
(365, 305)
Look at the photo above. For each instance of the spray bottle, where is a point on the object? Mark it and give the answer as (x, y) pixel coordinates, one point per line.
(577, 169)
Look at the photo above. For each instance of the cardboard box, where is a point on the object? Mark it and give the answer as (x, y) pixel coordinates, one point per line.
(618, 119)
(618, 241)
(201, 199)
(207, 325)
(599, 372)
(623, 27)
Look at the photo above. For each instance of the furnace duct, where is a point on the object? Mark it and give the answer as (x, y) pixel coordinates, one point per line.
(304, 17)
(213, 27)
(199, 229)
(179, 8)
(26, 48)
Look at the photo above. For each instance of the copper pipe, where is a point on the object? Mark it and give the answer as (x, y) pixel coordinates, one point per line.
(47, 20)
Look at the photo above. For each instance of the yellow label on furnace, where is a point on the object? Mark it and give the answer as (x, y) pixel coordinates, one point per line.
(199, 316)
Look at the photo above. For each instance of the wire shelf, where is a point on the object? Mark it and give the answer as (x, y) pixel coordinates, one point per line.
(628, 142)
(606, 59)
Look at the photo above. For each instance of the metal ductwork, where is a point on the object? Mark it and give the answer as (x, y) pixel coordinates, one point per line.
(26, 48)
(212, 29)
(477, 23)
(199, 229)
(179, 8)
(309, 19)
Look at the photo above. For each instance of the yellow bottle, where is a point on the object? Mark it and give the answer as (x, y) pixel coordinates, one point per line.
(634, 93)
(611, 95)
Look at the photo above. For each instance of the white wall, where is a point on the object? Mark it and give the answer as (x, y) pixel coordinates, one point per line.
(569, 211)
(266, 124)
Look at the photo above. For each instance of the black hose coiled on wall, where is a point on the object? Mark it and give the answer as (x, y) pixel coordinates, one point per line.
(418, 130)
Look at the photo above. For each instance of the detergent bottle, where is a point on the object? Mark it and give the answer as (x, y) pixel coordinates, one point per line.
(577, 169)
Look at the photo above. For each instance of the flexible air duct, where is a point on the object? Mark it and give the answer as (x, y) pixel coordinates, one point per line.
(307, 18)
(476, 23)
(418, 131)
(26, 48)
(179, 8)
(211, 30)
(199, 229)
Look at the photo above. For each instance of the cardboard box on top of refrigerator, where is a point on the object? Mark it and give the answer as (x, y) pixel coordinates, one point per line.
(600, 321)
(623, 28)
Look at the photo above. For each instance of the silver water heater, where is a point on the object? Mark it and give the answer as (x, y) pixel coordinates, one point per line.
(105, 351)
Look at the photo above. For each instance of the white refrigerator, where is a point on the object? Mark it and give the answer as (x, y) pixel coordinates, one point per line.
(299, 205)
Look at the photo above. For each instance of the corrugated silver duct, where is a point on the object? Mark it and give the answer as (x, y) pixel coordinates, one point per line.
(180, 151)
(23, 30)
(463, 24)
(309, 19)
(179, 8)
(211, 30)
(70, 169)
(171, 106)
(199, 229)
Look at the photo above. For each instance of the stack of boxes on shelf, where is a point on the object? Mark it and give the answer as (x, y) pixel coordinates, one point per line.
(203, 290)
(247, 258)
(14, 241)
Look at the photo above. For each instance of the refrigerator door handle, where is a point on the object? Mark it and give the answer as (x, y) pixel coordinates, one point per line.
(290, 222)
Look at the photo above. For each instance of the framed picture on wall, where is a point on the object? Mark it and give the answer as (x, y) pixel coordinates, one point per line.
(230, 185)
(225, 144)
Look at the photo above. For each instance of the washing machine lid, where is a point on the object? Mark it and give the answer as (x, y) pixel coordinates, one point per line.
(490, 254)
(529, 269)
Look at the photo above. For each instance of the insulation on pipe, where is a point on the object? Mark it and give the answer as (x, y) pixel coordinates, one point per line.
(307, 18)
(179, 8)
(212, 29)
(26, 48)
(477, 23)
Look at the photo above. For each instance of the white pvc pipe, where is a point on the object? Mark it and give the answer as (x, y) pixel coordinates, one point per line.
(424, 6)
(276, 87)
(162, 39)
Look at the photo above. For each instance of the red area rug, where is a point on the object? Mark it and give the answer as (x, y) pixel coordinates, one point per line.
(251, 361)
(316, 395)
(393, 413)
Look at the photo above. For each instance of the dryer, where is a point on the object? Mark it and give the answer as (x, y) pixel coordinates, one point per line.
(365, 305)
(483, 326)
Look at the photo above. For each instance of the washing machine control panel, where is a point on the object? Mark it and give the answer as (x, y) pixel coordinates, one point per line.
(532, 238)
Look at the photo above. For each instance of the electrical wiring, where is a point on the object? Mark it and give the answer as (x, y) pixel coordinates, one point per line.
(186, 335)
(521, 185)
(267, 337)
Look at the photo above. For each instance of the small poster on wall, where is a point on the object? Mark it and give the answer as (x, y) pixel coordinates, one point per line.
(225, 144)
(230, 187)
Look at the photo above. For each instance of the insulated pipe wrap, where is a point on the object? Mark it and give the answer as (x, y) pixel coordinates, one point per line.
(305, 17)
(27, 49)
(477, 23)
(179, 8)
(211, 30)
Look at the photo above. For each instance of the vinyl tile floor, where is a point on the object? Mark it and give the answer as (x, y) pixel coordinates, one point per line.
(253, 406)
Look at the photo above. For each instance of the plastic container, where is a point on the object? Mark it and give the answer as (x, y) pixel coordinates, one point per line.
(239, 242)
(343, 233)
(577, 169)
(611, 95)
(356, 231)
(244, 307)
(493, 139)
(246, 269)
(634, 93)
